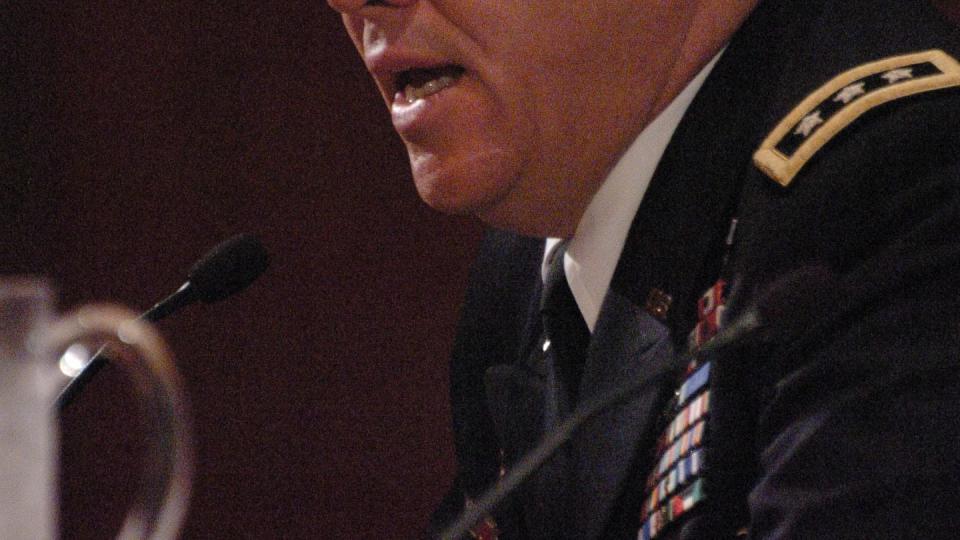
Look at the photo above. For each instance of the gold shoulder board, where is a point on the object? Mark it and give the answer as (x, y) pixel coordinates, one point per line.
(838, 103)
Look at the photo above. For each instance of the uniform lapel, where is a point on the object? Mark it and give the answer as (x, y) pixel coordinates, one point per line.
(637, 347)
(523, 396)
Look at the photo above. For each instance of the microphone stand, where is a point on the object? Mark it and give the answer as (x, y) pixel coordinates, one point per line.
(184, 296)
(227, 269)
(534, 459)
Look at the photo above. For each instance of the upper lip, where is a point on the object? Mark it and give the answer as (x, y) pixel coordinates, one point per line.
(387, 63)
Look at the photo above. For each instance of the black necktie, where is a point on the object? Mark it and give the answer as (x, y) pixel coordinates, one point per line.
(563, 324)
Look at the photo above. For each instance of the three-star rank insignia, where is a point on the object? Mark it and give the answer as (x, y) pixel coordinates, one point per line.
(826, 112)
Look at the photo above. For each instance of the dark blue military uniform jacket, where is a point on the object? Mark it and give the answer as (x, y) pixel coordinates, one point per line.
(840, 419)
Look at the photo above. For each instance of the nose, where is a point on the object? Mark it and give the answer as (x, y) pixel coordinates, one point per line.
(349, 7)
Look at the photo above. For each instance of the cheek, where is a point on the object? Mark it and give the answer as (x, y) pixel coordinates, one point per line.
(354, 26)
(532, 75)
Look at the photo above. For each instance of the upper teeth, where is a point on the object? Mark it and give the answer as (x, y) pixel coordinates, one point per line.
(412, 93)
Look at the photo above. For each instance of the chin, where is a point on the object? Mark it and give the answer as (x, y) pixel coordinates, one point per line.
(505, 209)
(463, 186)
(494, 186)
(452, 194)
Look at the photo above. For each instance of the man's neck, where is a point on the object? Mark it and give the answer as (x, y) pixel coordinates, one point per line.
(593, 252)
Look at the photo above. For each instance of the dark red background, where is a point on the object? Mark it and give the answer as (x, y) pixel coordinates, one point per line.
(133, 137)
(137, 135)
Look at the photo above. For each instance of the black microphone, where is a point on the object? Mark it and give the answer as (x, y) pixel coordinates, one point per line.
(226, 269)
(782, 309)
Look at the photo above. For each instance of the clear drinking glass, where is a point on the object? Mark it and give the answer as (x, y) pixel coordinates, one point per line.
(32, 339)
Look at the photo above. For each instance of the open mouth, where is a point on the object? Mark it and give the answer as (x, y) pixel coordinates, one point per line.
(419, 83)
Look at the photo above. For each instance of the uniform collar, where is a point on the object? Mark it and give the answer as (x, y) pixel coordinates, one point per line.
(592, 253)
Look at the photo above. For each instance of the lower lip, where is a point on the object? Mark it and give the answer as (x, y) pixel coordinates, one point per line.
(409, 119)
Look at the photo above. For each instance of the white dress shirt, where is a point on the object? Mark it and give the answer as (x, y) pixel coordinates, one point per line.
(594, 250)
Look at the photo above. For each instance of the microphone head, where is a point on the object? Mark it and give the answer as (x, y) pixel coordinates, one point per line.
(783, 308)
(228, 268)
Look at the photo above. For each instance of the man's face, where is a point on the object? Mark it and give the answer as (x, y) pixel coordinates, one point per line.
(514, 110)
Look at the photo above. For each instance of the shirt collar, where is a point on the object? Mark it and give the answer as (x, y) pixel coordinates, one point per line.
(593, 251)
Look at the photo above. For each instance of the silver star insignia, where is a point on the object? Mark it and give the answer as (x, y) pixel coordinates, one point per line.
(808, 124)
(851, 93)
(897, 75)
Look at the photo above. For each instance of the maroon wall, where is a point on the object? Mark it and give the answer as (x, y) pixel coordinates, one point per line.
(137, 136)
